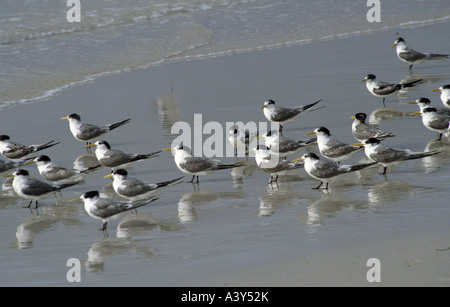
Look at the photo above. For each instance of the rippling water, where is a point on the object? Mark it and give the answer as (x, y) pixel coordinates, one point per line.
(42, 53)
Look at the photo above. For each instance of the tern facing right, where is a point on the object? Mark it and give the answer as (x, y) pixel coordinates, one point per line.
(386, 156)
(325, 171)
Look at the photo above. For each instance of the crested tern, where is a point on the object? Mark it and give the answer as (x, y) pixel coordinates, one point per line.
(386, 156)
(332, 149)
(284, 146)
(106, 209)
(325, 171)
(363, 131)
(445, 94)
(34, 189)
(197, 166)
(17, 152)
(56, 173)
(434, 121)
(423, 103)
(272, 163)
(412, 56)
(134, 189)
(114, 158)
(89, 133)
(284, 115)
(385, 89)
(241, 139)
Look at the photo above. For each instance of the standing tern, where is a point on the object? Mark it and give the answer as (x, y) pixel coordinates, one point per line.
(18, 152)
(445, 94)
(56, 173)
(325, 171)
(241, 139)
(332, 149)
(284, 146)
(114, 158)
(106, 209)
(272, 163)
(134, 189)
(385, 89)
(423, 103)
(197, 166)
(363, 131)
(89, 133)
(412, 56)
(386, 156)
(434, 121)
(284, 115)
(33, 189)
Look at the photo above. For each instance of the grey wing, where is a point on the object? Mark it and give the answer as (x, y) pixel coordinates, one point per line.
(15, 151)
(134, 187)
(338, 149)
(326, 169)
(411, 55)
(384, 88)
(286, 145)
(283, 114)
(105, 208)
(88, 131)
(115, 158)
(440, 123)
(38, 188)
(196, 164)
(58, 173)
(388, 155)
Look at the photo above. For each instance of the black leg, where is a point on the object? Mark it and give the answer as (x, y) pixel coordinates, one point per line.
(383, 102)
(384, 170)
(104, 226)
(318, 187)
(193, 177)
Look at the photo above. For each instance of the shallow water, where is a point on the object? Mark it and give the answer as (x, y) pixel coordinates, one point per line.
(226, 226)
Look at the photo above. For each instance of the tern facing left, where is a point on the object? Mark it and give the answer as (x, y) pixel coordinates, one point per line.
(56, 173)
(445, 94)
(325, 171)
(106, 209)
(434, 121)
(34, 189)
(18, 152)
(363, 131)
(134, 189)
(89, 133)
(385, 89)
(197, 166)
(272, 163)
(412, 56)
(332, 149)
(114, 158)
(284, 115)
(241, 139)
(386, 156)
(423, 103)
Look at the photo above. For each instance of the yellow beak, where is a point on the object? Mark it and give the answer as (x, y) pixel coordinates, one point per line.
(90, 145)
(363, 80)
(8, 175)
(435, 90)
(415, 113)
(29, 162)
(298, 159)
(309, 133)
(65, 117)
(109, 176)
(166, 149)
(393, 46)
(357, 144)
(262, 107)
(412, 102)
(75, 199)
(352, 117)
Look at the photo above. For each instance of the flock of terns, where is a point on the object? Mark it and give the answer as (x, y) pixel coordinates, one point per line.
(271, 158)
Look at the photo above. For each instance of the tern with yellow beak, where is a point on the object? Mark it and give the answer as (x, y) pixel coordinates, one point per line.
(411, 56)
(89, 133)
(284, 115)
(114, 158)
(434, 121)
(445, 94)
(325, 171)
(363, 131)
(106, 209)
(332, 149)
(197, 166)
(386, 156)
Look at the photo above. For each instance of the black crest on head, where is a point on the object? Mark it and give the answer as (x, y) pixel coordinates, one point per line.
(105, 143)
(361, 117)
(324, 130)
(121, 172)
(91, 194)
(75, 116)
(4, 137)
(43, 158)
(22, 172)
(372, 141)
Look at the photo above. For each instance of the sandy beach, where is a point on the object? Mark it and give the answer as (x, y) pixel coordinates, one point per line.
(234, 229)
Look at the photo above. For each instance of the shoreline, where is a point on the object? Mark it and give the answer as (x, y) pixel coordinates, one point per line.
(238, 231)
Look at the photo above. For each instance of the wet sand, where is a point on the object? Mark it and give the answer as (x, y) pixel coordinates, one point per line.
(234, 229)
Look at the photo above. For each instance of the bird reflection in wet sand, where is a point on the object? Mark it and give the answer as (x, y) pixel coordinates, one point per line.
(389, 192)
(167, 109)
